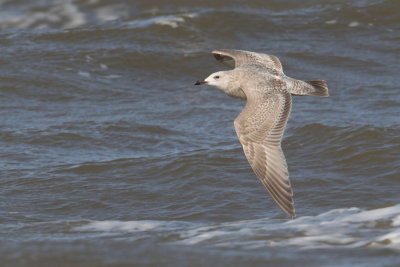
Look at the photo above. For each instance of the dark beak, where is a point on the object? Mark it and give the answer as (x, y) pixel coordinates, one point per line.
(200, 82)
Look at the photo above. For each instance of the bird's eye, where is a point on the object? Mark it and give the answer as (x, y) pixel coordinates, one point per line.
(216, 77)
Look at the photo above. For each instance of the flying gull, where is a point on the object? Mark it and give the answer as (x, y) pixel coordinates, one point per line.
(259, 79)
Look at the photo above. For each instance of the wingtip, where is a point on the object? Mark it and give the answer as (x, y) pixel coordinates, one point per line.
(291, 213)
(223, 51)
(218, 54)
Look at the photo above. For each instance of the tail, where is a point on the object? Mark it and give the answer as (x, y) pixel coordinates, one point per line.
(318, 88)
(314, 88)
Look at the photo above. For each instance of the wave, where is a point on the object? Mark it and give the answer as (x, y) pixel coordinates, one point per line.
(59, 14)
(73, 14)
(172, 21)
(338, 228)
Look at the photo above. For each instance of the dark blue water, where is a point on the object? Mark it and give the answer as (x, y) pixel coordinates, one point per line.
(111, 156)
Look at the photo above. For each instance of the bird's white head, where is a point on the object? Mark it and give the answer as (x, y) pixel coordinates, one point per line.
(225, 81)
(220, 79)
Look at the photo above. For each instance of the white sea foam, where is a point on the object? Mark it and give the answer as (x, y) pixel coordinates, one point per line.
(396, 220)
(330, 22)
(354, 24)
(119, 226)
(172, 21)
(351, 227)
(111, 12)
(64, 13)
(84, 74)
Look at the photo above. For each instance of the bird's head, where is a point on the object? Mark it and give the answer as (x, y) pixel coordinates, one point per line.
(220, 79)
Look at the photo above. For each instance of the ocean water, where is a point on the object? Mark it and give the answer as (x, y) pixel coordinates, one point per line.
(110, 156)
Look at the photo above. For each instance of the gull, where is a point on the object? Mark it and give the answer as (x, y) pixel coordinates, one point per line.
(259, 79)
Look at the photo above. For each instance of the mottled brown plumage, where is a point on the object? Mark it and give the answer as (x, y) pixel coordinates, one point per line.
(259, 79)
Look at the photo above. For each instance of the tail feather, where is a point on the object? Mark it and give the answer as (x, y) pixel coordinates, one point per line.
(319, 88)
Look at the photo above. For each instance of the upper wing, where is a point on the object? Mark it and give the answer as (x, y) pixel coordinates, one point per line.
(235, 58)
(260, 128)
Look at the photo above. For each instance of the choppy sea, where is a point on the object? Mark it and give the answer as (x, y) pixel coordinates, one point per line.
(110, 156)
